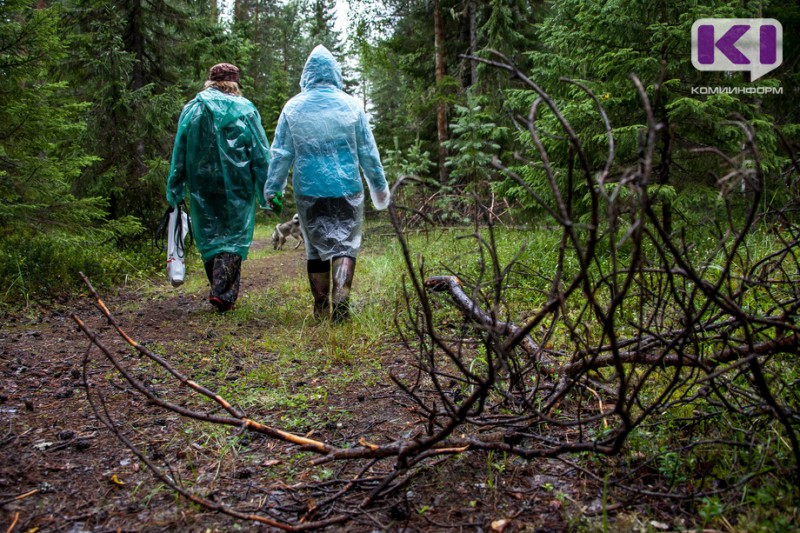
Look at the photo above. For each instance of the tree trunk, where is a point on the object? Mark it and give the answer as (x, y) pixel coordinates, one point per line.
(136, 46)
(363, 90)
(663, 174)
(256, 37)
(441, 111)
(472, 9)
(666, 147)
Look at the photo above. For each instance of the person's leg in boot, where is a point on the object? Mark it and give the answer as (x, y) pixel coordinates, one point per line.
(210, 270)
(342, 270)
(319, 278)
(209, 266)
(226, 275)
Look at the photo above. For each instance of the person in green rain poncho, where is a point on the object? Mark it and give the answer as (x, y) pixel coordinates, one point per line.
(323, 135)
(221, 155)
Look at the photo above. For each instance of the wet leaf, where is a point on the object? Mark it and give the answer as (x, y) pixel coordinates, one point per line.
(499, 525)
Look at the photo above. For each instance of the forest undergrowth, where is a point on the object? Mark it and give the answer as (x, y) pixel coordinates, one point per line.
(339, 385)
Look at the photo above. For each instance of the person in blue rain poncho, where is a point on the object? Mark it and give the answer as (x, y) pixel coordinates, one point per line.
(323, 135)
(221, 154)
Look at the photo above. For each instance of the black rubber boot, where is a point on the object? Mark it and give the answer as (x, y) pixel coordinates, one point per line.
(319, 279)
(342, 270)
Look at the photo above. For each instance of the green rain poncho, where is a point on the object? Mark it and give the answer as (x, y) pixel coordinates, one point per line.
(222, 153)
(323, 135)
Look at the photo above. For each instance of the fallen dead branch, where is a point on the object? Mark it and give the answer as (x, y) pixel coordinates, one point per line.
(20, 497)
(593, 360)
(409, 453)
(13, 523)
(647, 324)
(453, 285)
(102, 414)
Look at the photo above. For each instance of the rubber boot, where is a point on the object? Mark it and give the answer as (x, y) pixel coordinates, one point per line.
(342, 269)
(320, 283)
(224, 274)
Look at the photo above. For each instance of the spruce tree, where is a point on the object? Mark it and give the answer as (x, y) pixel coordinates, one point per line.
(47, 233)
(137, 63)
(601, 44)
(321, 26)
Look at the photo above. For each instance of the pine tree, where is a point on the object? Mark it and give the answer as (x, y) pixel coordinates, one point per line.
(415, 80)
(39, 122)
(601, 44)
(278, 52)
(321, 26)
(474, 143)
(47, 234)
(137, 63)
(508, 27)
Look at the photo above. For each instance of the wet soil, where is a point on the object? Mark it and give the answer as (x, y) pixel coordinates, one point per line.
(62, 470)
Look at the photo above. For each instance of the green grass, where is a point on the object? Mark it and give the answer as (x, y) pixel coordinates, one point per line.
(270, 357)
(288, 367)
(44, 267)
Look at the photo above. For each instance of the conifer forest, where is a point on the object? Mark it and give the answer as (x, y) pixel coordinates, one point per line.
(579, 312)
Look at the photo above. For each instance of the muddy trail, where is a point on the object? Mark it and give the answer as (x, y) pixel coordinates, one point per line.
(62, 470)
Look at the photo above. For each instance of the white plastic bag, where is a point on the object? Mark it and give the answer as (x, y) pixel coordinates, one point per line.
(176, 234)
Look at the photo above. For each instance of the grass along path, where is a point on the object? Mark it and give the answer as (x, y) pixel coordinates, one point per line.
(269, 357)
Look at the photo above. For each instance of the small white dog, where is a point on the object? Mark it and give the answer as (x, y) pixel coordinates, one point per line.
(286, 229)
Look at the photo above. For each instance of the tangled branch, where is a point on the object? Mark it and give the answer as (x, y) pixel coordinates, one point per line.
(647, 322)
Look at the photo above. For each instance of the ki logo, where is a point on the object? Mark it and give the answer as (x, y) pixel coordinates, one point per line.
(754, 45)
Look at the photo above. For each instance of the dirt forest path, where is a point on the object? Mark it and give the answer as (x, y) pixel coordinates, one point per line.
(54, 457)
(61, 470)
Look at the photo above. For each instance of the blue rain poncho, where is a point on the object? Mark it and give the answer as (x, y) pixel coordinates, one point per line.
(222, 153)
(323, 135)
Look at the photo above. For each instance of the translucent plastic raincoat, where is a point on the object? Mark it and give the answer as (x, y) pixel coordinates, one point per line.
(222, 153)
(324, 136)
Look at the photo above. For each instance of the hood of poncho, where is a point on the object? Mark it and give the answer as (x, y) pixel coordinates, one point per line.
(321, 69)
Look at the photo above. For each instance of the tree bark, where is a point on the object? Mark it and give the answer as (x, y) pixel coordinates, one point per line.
(472, 9)
(136, 45)
(441, 110)
(666, 147)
